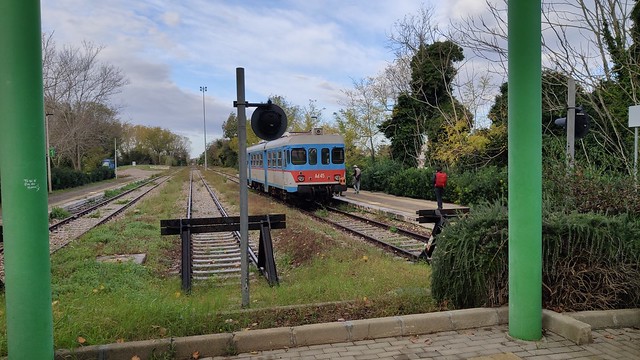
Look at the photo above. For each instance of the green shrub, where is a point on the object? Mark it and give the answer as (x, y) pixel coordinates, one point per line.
(101, 173)
(414, 183)
(590, 261)
(64, 177)
(378, 176)
(470, 263)
(467, 188)
(586, 189)
(487, 184)
(59, 213)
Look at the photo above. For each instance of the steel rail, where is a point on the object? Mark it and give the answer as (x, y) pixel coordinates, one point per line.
(252, 255)
(376, 241)
(110, 216)
(96, 206)
(402, 231)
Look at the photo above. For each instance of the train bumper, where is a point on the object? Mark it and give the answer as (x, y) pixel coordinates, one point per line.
(339, 188)
(320, 190)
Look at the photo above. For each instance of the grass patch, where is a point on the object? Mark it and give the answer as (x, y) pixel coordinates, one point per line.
(109, 193)
(58, 213)
(324, 276)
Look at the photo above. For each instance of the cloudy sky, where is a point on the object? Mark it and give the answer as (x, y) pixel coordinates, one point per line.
(298, 49)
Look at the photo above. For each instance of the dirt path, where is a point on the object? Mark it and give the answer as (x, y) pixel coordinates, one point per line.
(125, 176)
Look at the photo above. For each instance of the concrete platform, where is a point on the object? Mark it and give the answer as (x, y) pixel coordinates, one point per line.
(396, 207)
(472, 333)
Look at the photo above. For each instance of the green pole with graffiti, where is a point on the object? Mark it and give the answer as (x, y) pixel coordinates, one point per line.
(24, 183)
(525, 170)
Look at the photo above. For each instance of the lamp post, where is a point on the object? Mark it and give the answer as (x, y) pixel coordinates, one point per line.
(46, 127)
(204, 122)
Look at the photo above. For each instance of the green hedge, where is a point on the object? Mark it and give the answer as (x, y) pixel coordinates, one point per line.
(466, 188)
(64, 178)
(590, 261)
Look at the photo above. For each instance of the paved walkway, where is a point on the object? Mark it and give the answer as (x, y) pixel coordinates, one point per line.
(479, 344)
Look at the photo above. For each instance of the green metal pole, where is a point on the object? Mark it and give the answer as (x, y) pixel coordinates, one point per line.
(24, 183)
(525, 170)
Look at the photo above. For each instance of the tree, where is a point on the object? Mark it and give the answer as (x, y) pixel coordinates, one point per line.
(404, 129)
(148, 145)
(344, 120)
(294, 113)
(430, 104)
(366, 110)
(230, 127)
(77, 89)
(312, 117)
(595, 43)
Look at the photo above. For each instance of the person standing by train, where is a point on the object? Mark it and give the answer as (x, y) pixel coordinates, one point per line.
(356, 178)
(439, 183)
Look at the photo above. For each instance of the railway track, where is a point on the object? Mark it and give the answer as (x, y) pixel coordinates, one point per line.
(71, 228)
(65, 231)
(216, 255)
(400, 241)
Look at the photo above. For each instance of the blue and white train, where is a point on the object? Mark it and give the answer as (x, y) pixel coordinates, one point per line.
(307, 165)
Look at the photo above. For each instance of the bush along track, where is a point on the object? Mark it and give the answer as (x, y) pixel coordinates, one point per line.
(591, 261)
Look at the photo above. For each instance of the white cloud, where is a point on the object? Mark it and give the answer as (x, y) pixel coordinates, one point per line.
(301, 50)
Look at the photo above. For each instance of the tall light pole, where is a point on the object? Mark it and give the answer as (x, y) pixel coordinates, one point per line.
(204, 122)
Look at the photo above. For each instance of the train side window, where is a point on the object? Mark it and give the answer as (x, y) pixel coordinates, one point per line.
(279, 159)
(298, 156)
(287, 157)
(313, 156)
(325, 156)
(337, 155)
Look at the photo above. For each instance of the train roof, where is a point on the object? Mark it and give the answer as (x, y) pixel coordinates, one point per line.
(299, 139)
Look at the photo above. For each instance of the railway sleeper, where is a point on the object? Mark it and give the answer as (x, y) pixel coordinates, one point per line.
(217, 265)
(214, 242)
(213, 272)
(226, 243)
(210, 257)
(226, 252)
(221, 279)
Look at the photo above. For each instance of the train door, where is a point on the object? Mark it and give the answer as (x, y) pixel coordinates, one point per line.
(265, 168)
(249, 165)
(278, 169)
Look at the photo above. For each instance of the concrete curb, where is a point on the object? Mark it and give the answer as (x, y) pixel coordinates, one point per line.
(575, 327)
(567, 327)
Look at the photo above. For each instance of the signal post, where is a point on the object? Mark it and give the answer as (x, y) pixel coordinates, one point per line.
(269, 122)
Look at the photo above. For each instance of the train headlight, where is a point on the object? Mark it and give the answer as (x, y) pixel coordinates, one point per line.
(300, 178)
(336, 178)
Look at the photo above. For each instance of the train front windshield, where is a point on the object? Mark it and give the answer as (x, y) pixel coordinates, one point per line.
(333, 156)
